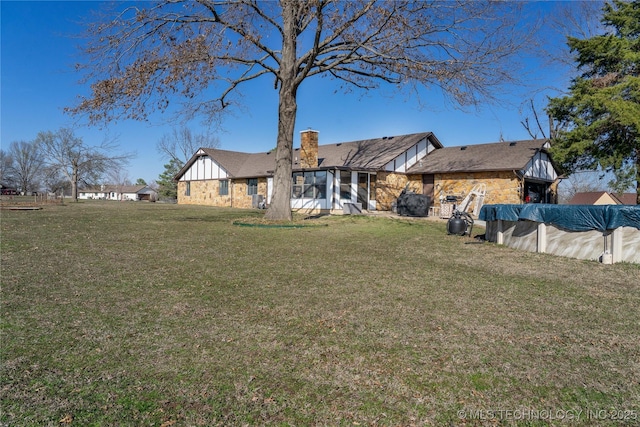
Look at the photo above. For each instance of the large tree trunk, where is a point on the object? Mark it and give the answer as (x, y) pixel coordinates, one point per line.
(74, 183)
(280, 207)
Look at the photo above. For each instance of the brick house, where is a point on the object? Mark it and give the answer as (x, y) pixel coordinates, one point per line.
(370, 172)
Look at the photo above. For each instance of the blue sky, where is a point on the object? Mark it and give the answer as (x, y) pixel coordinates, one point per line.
(39, 48)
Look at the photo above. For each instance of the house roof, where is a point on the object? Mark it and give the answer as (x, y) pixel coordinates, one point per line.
(364, 154)
(627, 198)
(370, 153)
(374, 154)
(497, 156)
(591, 197)
(586, 197)
(238, 164)
(113, 188)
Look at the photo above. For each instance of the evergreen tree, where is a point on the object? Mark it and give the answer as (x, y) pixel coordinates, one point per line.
(168, 187)
(599, 120)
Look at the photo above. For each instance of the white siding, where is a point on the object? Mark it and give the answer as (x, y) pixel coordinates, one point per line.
(410, 157)
(310, 204)
(540, 167)
(208, 167)
(204, 168)
(92, 195)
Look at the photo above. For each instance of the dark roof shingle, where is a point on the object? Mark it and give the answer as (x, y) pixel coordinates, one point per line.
(496, 156)
(374, 154)
(586, 197)
(365, 154)
(590, 197)
(628, 198)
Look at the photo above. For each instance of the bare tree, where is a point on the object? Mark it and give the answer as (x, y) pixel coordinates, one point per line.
(28, 164)
(580, 182)
(119, 178)
(201, 52)
(6, 169)
(535, 126)
(78, 162)
(568, 19)
(55, 182)
(572, 19)
(181, 144)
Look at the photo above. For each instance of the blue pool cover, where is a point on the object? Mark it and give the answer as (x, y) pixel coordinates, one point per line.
(568, 217)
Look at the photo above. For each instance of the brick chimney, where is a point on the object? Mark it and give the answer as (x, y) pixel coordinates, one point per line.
(309, 149)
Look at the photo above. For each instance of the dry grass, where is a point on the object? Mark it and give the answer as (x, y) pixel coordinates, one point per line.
(149, 314)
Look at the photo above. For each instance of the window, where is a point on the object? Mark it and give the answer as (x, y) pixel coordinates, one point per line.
(372, 187)
(345, 185)
(320, 185)
(309, 185)
(298, 185)
(224, 187)
(187, 190)
(252, 186)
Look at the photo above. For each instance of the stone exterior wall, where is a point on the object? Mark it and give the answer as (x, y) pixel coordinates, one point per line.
(389, 185)
(207, 193)
(243, 200)
(502, 187)
(203, 193)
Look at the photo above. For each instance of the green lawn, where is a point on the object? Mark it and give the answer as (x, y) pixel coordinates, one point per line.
(147, 314)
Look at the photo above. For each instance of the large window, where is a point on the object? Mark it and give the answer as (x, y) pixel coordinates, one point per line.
(345, 185)
(252, 186)
(224, 187)
(309, 185)
(187, 191)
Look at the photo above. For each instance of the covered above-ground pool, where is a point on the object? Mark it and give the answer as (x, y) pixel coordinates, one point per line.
(609, 233)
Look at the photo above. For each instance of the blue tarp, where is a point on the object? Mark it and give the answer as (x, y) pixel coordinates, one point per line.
(568, 217)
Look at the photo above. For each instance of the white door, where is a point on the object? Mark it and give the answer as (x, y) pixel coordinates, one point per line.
(269, 189)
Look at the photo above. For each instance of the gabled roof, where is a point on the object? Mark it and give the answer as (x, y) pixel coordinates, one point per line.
(591, 197)
(587, 197)
(240, 165)
(370, 153)
(497, 156)
(365, 154)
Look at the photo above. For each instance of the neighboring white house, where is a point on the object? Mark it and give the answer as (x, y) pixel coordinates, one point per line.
(118, 192)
